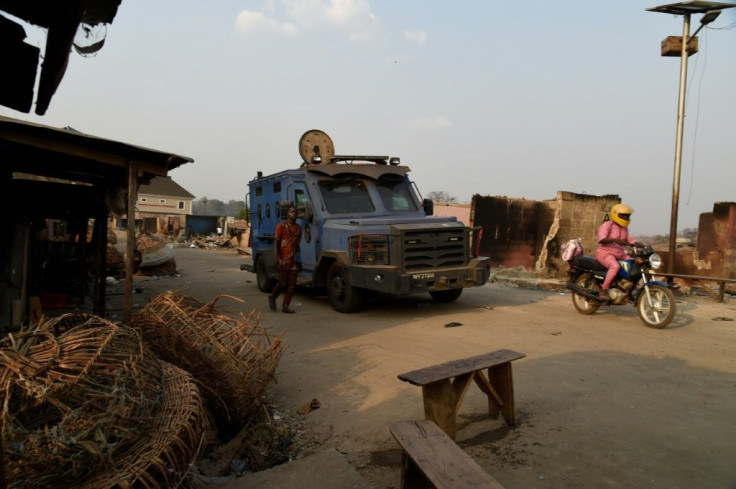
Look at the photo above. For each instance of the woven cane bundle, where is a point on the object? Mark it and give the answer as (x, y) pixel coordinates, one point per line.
(231, 355)
(161, 457)
(76, 392)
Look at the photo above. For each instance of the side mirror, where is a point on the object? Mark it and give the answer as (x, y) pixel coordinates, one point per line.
(428, 205)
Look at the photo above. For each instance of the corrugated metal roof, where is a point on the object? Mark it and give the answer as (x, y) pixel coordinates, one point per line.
(74, 155)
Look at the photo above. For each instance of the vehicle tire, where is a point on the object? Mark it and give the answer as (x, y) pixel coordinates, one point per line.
(582, 303)
(343, 296)
(265, 283)
(660, 311)
(448, 295)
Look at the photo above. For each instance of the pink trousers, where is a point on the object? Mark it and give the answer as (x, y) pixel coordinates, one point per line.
(611, 263)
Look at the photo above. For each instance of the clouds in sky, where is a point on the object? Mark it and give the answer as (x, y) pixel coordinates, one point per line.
(253, 23)
(416, 36)
(354, 18)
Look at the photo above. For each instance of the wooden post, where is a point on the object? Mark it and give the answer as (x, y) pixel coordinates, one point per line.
(99, 240)
(130, 242)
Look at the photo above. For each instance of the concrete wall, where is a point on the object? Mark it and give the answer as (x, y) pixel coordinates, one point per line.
(460, 211)
(162, 204)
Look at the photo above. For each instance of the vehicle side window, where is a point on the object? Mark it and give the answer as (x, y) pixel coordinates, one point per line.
(300, 201)
(300, 197)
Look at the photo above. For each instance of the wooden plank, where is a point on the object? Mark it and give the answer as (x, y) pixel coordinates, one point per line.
(36, 311)
(438, 458)
(454, 368)
(694, 277)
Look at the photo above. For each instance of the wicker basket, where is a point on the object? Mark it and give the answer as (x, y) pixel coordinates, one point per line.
(232, 356)
(82, 397)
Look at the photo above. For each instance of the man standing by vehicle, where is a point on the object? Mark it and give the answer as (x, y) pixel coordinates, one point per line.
(286, 250)
(613, 235)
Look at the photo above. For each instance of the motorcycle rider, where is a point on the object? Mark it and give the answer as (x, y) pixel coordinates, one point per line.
(613, 235)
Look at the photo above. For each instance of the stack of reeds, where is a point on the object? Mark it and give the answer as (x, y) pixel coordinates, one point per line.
(86, 404)
(231, 355)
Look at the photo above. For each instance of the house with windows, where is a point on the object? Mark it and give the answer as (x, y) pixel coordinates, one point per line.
(162, 207)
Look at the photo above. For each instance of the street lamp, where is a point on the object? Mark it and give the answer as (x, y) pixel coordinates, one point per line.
(711, 10)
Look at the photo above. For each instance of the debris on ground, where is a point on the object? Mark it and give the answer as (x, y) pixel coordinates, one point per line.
(308, 407)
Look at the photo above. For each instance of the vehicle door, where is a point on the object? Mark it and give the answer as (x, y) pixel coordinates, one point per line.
(308, 248)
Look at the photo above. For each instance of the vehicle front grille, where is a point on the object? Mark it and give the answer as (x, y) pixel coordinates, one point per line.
(433, 248)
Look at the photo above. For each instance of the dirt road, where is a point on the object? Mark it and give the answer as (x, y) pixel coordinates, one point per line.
(601, 401)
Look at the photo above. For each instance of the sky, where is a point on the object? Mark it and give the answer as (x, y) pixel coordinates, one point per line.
(517, 99)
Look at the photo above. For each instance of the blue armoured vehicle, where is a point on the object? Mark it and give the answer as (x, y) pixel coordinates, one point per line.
(365, 229)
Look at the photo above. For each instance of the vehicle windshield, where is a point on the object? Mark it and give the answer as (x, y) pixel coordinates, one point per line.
(346, 197)
(395, 194)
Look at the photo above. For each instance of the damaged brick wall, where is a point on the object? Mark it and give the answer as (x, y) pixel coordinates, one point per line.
(510, 229)
(716, 246)
(576, 216)
(527, 233)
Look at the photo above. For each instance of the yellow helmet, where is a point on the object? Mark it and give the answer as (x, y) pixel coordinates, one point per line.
(621, 214)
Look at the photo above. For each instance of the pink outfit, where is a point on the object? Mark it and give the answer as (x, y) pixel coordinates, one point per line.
(608, 254)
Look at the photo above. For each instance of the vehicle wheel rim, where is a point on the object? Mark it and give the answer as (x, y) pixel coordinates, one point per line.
(657, 310)
(337, 286)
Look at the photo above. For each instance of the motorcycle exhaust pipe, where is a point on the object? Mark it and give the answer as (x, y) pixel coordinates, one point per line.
(583, 291)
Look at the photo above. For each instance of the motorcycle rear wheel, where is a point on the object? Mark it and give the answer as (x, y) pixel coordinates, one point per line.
(582, 303)
(660, 311)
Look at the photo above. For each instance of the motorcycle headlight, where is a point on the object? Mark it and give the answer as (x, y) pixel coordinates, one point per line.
(655, 261)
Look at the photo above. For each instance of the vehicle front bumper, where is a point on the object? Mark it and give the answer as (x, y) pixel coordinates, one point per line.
(390, 280)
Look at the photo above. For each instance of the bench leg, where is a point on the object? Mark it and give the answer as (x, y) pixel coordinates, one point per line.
(501, 379)
(494, 399)
(439, 405)
(411, 476)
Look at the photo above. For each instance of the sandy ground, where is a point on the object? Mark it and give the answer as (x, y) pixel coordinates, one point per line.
(602, 401)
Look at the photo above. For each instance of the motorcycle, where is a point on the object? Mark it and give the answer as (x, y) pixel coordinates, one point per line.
(634, 284)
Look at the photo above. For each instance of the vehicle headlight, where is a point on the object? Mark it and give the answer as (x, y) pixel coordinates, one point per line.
(655, 261)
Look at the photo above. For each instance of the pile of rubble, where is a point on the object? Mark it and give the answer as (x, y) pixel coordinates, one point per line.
(92, 404)
(213, 242)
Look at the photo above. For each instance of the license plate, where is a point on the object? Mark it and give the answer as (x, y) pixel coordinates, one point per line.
(420, 276)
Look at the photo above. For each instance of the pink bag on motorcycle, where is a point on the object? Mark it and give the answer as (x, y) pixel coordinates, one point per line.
(572, 248)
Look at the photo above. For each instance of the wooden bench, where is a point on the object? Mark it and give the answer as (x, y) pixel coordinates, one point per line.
(443, 396)
(431, 459)
(699, 279)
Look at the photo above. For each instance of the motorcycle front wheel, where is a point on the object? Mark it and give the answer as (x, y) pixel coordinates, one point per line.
(582, 303)
(656, 309)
